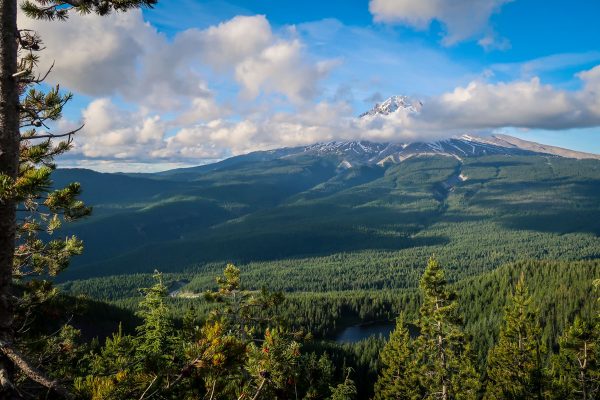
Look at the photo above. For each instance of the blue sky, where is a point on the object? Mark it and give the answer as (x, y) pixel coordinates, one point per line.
(193, 81)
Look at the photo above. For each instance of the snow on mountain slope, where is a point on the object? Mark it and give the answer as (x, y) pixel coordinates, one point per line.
(458, 147)
(392, 105)
(365, 152)
(353, 153)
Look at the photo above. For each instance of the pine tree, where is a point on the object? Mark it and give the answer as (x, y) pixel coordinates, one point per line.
(156, 339)
(217, 360)
(445, 365)
(345, 390)
(111, 373)
(242, 312)
(274, 366)
(514, 366)
(317, 374)
(27, 150)
(575, 370)
(190, 324)
(151, 363)
(398, 379)
(240, 353)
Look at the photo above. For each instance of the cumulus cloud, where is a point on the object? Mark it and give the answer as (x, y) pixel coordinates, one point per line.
(524, 104)
(113, 133)
(478, 107)
(280, 68)
(232, 41)
(590, 96)
(161, 83)
(127, 56)
(122, 55)
(221, 138)
(101, 55)
(462, 19)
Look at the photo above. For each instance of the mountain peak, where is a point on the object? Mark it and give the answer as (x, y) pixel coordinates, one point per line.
(393, 104)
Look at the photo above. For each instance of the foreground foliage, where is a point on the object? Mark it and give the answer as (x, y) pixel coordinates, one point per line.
(238, 352)
(243, 347)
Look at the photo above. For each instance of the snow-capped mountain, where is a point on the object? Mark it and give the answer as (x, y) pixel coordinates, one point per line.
(353, 153)
(350, 154)
(365, 152)
(392, 105)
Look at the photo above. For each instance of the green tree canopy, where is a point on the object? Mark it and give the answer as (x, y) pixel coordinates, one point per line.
(514, 365)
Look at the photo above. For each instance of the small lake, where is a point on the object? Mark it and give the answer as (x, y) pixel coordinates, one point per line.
(356, 333)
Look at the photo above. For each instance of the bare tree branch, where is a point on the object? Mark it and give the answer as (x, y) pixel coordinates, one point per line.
(5, 382)
(259, 389)
(31, 372)
(148, 388)
(40, 78)
(52, 135)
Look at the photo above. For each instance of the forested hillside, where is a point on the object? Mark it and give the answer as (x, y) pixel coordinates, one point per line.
(308, 212)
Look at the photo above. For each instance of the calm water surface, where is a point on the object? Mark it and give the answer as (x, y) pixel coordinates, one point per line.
(355, 333)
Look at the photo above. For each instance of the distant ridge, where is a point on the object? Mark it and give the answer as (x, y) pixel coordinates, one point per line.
(355, 153)
(366, 152)
(544, 148)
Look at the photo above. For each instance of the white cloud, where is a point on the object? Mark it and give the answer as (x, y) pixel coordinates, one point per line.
(124, 55)
(221, 138)
(127, 57)
(591, 91)
(230, 42)
(121, 55)
(479, 107)
(281, 68)
(92, 55)
(524, 104)
(202, 109)
(463, 19)
(112, 133)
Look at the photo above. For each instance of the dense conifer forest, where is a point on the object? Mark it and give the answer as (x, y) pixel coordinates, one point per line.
(532, 324)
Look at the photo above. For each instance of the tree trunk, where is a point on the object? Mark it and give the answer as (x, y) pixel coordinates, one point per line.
(583, 372)
(442, 354)
(9, 155)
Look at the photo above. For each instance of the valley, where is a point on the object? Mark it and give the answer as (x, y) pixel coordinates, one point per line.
(304, 206)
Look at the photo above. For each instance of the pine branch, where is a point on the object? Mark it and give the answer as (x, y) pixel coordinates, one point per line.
(53, 135)
(148, 388)
(40, 78)
(5, 382)
(31, 372)
(259, 389)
